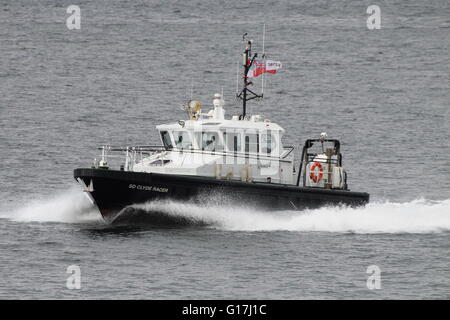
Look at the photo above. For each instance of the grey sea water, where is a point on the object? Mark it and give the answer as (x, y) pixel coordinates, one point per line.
(385, 93)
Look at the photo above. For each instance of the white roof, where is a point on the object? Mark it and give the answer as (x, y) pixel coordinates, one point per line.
(213, 124)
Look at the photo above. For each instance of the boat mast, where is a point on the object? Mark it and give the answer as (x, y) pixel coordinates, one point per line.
(246, 94)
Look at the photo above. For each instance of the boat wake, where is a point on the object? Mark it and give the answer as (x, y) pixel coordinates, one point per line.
(70, 206)
(418, 216)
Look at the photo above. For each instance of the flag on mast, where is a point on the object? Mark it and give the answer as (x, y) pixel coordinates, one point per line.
(260, 67)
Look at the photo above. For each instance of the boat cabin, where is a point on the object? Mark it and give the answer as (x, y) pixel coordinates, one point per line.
(227, 136)
(207, 144)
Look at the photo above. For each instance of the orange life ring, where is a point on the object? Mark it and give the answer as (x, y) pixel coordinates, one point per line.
(313, 176)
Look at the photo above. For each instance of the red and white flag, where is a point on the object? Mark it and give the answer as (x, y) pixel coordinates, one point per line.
(261, 67)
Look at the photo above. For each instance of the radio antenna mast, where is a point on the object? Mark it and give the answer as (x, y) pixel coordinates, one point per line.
(237, 78)
(264, 58)
(247, 61)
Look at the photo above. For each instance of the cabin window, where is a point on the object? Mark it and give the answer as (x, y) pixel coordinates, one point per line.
(267, 143)
(211, 141)
(159, 162)
(182, 140)
(233, 141)
(165, 136)
(251, 143)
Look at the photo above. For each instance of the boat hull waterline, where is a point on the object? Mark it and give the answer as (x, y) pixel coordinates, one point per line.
(114, 191)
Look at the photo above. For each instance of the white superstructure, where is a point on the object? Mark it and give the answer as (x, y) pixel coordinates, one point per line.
(210, 145)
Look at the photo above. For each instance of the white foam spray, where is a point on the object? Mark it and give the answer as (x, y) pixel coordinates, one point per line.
(70, 206)
(418, 216)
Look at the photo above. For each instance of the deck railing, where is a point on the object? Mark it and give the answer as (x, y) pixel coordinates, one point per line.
(138, 153)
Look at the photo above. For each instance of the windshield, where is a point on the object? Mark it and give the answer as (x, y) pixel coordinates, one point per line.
(165, 136)
(182, 140)
(210, 141)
